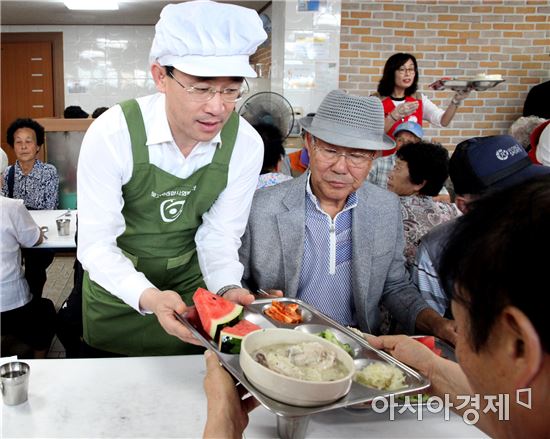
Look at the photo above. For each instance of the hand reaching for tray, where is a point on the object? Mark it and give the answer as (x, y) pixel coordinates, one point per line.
(227, 414)
(410, 352)
(241, 296)
(270, 293)
(373, 340)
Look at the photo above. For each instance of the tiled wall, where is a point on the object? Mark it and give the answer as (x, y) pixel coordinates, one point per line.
(103, 64)
(456, 39)
(106, 64)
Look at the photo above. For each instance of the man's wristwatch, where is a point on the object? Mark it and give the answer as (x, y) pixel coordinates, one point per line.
(225, 289)
(455, 102)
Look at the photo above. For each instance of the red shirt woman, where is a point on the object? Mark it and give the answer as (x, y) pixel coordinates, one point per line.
(398, 91)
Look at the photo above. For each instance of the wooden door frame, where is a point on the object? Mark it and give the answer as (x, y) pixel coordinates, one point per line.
(56, 39)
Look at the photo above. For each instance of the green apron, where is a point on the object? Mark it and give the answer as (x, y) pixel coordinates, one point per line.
(162, 213)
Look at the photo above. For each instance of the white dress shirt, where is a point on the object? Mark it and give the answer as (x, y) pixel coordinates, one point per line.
(105, 165)
(17, 230)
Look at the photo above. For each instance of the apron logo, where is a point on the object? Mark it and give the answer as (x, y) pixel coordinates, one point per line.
(170, 210)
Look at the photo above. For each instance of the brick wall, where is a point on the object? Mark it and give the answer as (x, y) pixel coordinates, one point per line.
(263, 56)
(459, 39)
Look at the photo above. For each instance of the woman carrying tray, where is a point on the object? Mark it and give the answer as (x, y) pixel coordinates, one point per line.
(397, 90)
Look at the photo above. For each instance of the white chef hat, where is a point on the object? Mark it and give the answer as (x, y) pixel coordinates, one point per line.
(205, 38)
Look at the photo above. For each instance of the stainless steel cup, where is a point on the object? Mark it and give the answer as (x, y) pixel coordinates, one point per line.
(14, 379)
(63, 226)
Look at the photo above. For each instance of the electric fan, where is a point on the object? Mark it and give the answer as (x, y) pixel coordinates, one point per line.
(270, 108)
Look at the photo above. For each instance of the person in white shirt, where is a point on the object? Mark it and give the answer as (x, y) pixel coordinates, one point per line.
(3, 160)
(398, 91)
(29, 321)
(165, 184)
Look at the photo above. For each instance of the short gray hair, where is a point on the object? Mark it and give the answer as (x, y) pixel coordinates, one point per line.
(522, 128)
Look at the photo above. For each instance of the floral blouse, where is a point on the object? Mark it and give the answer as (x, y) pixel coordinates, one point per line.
(271, 179)
(420, 215)
(38, 189)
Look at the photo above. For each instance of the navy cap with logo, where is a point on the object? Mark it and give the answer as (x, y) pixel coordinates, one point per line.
(492, 162)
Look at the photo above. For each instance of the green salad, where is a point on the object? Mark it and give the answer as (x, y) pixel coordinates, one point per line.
(328, 335)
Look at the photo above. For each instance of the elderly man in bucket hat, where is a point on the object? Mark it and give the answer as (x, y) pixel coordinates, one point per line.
(163, 212)
(331, 240)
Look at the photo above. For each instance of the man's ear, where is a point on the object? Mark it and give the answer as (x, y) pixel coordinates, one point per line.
(308, 143)
(523, 349)
(159, 76)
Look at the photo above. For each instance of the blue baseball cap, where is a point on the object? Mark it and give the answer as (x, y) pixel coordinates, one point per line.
(493, 162)
(411, 127)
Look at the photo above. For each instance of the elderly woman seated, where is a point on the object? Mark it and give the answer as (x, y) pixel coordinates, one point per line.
(29, 179)
(419, 173)
(35, 183)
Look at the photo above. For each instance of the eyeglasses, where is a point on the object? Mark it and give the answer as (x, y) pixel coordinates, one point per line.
(204, 94)
(403, 70)
(353, 159)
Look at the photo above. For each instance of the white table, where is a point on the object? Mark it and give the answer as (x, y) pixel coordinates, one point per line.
(54, 241)
(159, 397)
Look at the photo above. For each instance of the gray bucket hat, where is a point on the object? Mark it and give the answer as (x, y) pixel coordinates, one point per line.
(349, 121)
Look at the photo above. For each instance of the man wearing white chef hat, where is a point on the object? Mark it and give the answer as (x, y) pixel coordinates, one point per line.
(164, 211)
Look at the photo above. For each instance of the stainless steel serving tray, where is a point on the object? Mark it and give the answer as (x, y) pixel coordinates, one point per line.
(476, 84)
(447, 352)
(313, 322)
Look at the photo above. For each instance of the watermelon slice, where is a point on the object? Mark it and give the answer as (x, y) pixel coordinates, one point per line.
(437, 351)
(427, 340)
(215, 312)
(231, 336)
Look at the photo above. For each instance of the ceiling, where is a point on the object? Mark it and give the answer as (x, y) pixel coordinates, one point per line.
(54, 12)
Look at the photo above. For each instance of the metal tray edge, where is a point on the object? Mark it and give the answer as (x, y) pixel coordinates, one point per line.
(282, 409)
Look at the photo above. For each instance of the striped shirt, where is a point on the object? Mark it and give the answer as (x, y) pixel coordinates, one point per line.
(425, 277)
(380, 171)
(326, 275)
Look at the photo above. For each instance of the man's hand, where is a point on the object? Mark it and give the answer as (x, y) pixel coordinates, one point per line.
(240, 296)
(446, 330)
(227, 414)
(429, 321)
(165, 304)
(409, 351)
(270, 293)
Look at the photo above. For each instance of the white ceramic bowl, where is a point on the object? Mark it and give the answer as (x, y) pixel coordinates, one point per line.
(291, 390)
